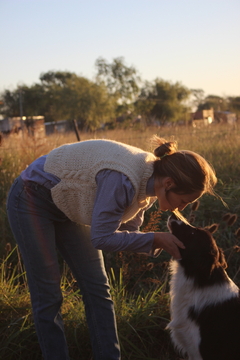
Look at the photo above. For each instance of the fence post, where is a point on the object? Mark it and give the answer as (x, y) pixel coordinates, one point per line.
(75, 125)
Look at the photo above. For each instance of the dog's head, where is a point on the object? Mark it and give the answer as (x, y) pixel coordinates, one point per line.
(201, 254)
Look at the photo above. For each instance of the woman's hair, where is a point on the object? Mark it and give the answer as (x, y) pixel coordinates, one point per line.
(189, 170)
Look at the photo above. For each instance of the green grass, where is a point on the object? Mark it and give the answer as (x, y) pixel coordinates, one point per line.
(139, 284)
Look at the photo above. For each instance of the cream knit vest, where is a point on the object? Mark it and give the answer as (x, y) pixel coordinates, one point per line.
(77, 166)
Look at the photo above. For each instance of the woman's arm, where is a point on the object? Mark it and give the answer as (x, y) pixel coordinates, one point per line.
(114, 194)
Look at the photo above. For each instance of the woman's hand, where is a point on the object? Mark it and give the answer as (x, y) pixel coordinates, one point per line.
(169, 243)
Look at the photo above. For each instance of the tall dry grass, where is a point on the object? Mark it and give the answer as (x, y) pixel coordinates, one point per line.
(139, 284)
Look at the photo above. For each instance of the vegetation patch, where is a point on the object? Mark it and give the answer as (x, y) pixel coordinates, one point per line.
(139, 284)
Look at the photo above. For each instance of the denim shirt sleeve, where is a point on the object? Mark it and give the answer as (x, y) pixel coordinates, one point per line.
(114, 194)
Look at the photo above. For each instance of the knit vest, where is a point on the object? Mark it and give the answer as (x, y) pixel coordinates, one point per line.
(77, 165)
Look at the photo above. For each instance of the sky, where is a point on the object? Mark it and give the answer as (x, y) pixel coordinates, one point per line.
(194, 42)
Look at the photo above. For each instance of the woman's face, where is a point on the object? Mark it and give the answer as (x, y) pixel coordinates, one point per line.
(168, 200)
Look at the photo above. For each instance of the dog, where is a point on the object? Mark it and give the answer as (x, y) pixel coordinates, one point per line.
(204, 301)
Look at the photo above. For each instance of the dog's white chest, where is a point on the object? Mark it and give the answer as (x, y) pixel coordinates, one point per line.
(184, 332)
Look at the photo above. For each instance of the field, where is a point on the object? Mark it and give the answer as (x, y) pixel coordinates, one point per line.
(139, 284)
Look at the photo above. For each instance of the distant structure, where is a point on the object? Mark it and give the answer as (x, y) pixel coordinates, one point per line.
(33, 125)
(226, 117)
(207, 117)
(60, 126)
(202, 118)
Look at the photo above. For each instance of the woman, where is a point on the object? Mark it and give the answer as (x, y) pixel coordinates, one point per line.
(86, 197)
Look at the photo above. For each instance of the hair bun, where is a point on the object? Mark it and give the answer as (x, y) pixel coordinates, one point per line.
(168, 148)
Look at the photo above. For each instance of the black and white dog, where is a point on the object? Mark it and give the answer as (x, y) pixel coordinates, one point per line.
(205, 302)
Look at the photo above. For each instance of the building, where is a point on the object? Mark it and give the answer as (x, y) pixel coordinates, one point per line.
(202, 118)
(33, 125)
(225, 117)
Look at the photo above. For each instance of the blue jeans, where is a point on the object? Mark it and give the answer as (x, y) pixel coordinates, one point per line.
(39, 227)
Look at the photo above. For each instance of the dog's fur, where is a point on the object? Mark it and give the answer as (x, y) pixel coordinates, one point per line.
(205, 302)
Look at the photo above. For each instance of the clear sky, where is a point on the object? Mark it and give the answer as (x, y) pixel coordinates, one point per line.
(194, 42)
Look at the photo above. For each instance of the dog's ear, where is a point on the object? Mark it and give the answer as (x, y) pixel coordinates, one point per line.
(212, 228)
(221, 259)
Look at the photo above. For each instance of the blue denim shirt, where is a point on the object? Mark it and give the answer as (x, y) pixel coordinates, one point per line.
(114, 193)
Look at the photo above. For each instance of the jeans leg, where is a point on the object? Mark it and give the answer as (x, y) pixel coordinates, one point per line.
(31, 214)
(87, 265)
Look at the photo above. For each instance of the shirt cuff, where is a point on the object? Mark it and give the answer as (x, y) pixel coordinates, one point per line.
(155, 253)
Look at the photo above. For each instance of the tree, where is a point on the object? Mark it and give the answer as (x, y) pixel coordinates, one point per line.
(57, 78)
(62, 95)
(54, 84)
(234, 104)
(163, 101)
(11, 103)
(34, 100)
(144, 103)
(87, 102)
(214, 102)
(76, 97)
(122, 81)
(198, 98)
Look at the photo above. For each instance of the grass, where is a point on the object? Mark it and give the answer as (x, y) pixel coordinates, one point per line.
(141, 319)
(139, 284)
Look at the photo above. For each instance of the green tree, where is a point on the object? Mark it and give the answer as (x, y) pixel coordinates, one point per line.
(218, 103)
(144, 103)
(76, 97)
(54, 84)
(122, 82)
(62, 95)
(197, 98)
(34, 99)
(59, 78)
(87, 102)
(163, 101)
(234, 104)
(11, 103)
